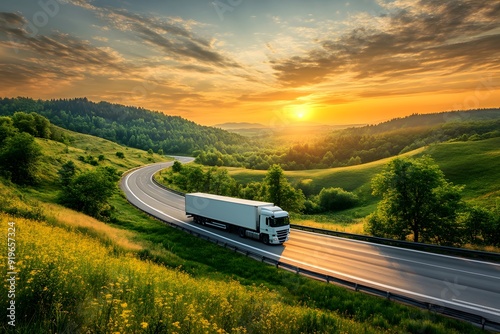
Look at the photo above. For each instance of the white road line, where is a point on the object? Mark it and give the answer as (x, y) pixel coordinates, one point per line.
(355, 278)
(418, 262)
(407, 250)
(477, 305)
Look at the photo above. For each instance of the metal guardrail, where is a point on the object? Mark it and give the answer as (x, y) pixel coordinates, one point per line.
(180, 193)
(406, 244)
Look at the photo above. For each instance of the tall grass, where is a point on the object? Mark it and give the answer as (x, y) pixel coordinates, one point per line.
(68, 282)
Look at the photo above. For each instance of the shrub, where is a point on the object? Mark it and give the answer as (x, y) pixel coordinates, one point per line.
(336, 199)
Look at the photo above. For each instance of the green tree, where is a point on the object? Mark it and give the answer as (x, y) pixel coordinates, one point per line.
(416, 199)
(20, 157)
(32, 123)
(481, 226)
(25, 122)
(90, 192)
(176, 167)
(279, 191)
(42, 126)
(7, 128)
(66, 173)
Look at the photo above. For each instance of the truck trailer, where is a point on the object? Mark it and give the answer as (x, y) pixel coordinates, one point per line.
(254, 219)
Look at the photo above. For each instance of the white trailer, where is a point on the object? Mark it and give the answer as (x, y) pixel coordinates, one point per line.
(259, 220)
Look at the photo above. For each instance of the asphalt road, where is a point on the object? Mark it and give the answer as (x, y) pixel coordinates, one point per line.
(463, 284)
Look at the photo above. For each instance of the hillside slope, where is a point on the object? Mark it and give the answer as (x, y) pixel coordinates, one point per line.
(131, 126)
(475, 164)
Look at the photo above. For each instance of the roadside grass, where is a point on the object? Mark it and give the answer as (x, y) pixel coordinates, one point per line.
(72, 283)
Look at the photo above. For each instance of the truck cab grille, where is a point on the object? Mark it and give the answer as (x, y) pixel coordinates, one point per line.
(282, 235)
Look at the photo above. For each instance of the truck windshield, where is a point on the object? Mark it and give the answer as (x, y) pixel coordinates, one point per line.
(276, 222)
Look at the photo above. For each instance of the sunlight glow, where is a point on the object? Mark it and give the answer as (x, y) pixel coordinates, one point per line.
(300, 112)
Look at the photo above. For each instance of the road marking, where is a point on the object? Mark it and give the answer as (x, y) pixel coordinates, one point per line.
(411, 261)
(405, 249)
(494, 312)
(477, 305)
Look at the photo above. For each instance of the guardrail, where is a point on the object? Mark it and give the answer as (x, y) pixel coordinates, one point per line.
(405, 244)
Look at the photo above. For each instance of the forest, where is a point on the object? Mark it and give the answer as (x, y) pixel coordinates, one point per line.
(149, 130)
(129, 126)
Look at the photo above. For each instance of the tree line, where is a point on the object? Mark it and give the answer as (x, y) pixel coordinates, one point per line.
(148, 130)
(273, 188)
(352, 146)
(129, 126)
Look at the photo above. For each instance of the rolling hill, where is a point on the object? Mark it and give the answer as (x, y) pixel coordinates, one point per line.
(131, 126)
(475, 164)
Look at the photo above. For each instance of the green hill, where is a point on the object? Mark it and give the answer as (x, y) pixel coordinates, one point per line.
(475, 164)
(130, 126)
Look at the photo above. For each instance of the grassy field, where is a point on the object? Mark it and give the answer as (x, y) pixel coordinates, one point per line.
(79, 275)
(475, 164)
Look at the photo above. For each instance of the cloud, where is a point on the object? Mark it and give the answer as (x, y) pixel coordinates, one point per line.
(58, 47)
(173, 37)
(52, 60)
(412, 37)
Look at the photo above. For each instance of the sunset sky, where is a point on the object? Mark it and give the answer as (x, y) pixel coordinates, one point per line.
(273, 62)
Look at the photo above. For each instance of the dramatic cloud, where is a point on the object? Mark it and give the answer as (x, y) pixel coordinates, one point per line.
(357, 63)
(172, 36)
(413, 37)
(44, 60)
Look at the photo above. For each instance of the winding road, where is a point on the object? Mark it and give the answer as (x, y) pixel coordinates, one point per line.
(463, 284)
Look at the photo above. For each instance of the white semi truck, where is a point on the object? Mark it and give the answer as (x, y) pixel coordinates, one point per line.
(259, 220)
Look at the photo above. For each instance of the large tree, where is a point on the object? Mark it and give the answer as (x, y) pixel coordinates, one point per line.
(19, 158)
(90, 192)
(416, 200)
(278, 190)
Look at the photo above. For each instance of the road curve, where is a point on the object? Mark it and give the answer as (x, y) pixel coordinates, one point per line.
(463, 284)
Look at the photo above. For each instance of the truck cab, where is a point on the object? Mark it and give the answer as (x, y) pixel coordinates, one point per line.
(274, 225)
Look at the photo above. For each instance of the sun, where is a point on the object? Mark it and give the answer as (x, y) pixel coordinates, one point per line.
(301, 112)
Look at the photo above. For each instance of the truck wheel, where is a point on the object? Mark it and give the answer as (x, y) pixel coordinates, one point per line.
(241, 232)
(265, 239)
